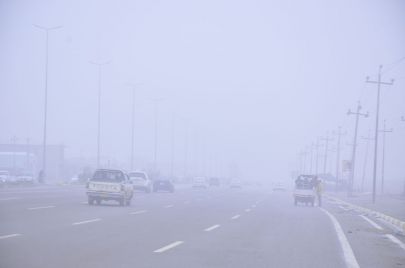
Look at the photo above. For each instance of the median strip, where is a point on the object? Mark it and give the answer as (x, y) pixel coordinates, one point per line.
(209, 229)
(168, 247)
(9, 236)
(84, 222)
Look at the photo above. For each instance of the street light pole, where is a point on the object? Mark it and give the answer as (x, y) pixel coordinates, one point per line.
(133, 86)
(384, 131)
(47, 30)
(357, 114)
(155, 102)
(99, 65)
(379, 83)
(317, 146)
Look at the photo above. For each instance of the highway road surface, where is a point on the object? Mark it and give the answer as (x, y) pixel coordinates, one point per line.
(52, 226)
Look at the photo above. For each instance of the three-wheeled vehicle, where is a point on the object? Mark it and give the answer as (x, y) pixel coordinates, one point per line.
(304, 191)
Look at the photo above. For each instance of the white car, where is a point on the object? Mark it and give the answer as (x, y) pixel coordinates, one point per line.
(200, 182)
(25, 178)
(140, 181)
(235, 184)
(109, 184)
(4, 177)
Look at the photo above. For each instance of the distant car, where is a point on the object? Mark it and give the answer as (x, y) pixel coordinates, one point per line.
(235, 184)
(163, 185)
(200, 182)
(279, 187)
(25, 178)
(140, 181)
(109, 184)
(4, 177)
(214, 182)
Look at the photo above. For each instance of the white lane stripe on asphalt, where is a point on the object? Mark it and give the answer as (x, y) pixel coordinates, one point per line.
(248, 210)
(9, 198)
(35, 208)
(372, 223)
(348, 254)
(170, 246)
(84, 222)
(209, 229)
(396, 241)
(169, 206)
(138, 212)
(9, 236)
(235, 217)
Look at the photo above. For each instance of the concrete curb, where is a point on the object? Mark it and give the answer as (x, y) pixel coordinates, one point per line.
(394, 221)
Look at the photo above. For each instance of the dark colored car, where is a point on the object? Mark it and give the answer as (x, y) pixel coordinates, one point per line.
(163, 185)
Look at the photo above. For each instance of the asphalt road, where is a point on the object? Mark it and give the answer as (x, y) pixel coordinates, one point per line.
(218, 227)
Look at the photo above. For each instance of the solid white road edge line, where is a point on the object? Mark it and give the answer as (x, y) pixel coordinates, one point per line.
(35, 208)
(170, 246)
(348, 254)
(84, 222)
(8, 236)
(375, 225)
(396, 241)
(235, 217)
(212, 228)
(138, 212)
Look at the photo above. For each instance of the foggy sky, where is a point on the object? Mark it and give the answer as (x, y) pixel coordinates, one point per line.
(256, 80)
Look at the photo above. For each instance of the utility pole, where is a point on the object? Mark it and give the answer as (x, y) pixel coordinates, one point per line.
(357, 114)
(339, 134)
(379, 83)
(47, 30)
(384, 132)
(99, 65)
(325, 160)
(367, 139)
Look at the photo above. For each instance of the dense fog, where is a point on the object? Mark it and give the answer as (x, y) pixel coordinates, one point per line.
(241, 87)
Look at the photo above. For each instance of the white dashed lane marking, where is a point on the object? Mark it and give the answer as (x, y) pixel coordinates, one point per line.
(372, 223)
(209, 229)
(44, 207)
(168, 247)
(235, 217)
(169, 206)
(248, 210)
(138, 212)
(84, 222)
(9, 236)
(396, 241)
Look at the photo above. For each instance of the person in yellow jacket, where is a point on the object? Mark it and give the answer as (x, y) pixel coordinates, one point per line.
(319, 191)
